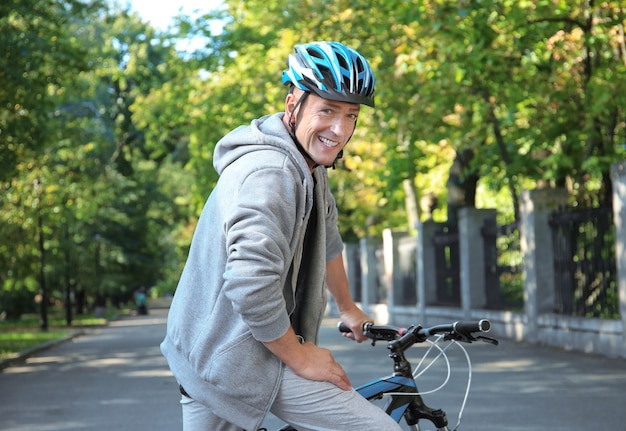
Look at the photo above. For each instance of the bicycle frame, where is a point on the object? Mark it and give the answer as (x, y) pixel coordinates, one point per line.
(411, 407)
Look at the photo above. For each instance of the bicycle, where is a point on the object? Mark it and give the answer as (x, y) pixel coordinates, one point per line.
(405, 400)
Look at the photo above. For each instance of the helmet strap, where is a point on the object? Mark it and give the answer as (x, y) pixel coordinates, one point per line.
(292, 128)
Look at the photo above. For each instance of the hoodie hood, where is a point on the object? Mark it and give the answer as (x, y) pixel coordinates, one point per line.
(262, 134)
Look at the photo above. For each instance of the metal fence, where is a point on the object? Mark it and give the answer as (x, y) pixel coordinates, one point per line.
(447, 261)
(406, 292)
(504, 281)
(584, 262)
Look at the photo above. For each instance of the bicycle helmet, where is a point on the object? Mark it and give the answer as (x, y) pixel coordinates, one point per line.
(332, 71)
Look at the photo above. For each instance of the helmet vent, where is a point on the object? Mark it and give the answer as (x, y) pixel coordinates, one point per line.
(331, 71)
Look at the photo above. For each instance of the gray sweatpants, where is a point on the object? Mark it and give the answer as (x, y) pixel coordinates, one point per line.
(307, 406)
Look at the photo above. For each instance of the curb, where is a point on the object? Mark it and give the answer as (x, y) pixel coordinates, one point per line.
(25, 354)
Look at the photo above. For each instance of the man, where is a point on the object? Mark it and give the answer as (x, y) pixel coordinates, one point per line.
(243, 324)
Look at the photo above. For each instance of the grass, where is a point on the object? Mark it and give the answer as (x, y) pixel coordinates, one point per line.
(25, 333)
(14, 342)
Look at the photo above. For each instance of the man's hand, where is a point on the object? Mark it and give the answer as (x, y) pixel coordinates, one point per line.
(355, 319)
(321, 366)
(308, 361)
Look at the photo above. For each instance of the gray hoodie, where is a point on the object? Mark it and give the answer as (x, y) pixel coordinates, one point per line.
(238, 287)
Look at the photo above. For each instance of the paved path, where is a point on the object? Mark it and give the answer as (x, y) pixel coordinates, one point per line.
(115, 378)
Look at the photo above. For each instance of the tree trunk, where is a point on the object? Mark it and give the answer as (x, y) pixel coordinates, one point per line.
(410, 202)
(461, 185)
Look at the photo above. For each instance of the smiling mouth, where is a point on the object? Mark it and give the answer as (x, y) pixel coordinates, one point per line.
(328, 142)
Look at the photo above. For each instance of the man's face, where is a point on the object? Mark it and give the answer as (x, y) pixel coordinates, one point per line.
(323, 127)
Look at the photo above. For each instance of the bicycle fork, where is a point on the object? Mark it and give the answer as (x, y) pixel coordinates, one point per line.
(418, 410)
(415, 410)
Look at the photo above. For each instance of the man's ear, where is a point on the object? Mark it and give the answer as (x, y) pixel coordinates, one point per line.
(290, 103)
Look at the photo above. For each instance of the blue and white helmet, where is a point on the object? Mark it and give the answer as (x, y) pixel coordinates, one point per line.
(332, 71)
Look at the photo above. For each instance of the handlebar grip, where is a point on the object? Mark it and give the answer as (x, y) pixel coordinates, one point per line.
(343, 327)
(465, 328)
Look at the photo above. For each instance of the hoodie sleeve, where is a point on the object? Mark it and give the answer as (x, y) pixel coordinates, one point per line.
(264, 216)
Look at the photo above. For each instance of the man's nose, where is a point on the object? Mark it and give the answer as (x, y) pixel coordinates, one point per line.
(342, 127)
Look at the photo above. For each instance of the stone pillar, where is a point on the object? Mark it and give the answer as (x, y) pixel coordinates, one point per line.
(618, 178)
(369, 273)
(389, 258)
(351, 262)
(472, 255)
(537, 252)
(393, 272)
(426, 269)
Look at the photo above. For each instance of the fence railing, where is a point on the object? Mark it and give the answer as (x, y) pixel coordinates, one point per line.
(584, 262)
(504, 280)
(557, 278)
(447, 263)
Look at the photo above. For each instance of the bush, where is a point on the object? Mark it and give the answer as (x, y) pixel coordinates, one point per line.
(15, 302)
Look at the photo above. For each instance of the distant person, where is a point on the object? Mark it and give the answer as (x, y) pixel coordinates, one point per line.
(141, 301)
(244, 320)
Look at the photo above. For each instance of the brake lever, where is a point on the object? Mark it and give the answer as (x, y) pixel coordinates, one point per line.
(467, 338)
(488, 340)
(458, 337)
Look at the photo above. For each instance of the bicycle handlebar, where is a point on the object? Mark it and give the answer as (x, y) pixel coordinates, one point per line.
(406, 337)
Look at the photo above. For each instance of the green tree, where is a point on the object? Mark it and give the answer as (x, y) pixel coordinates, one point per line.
(39, 61)
(524, 86)
(116, 127)
(131, 214)
(38, 58)
(102, 202)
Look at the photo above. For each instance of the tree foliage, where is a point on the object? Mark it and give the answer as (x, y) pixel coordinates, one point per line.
(107, 127)
(83, 175)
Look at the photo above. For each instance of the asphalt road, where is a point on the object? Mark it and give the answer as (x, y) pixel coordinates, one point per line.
(114, 378)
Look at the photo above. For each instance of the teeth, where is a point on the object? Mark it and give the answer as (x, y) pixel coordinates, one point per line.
(328, 142)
